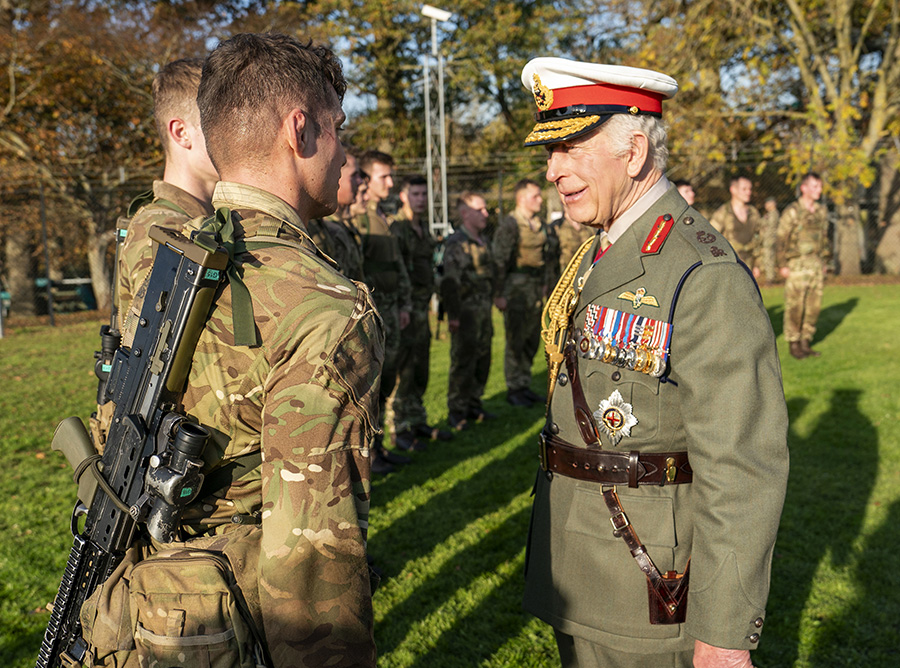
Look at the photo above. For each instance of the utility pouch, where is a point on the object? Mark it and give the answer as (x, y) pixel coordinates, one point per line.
(676, 584)
(187, 610)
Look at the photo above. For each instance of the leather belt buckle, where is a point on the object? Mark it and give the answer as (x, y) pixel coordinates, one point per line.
(545, 464)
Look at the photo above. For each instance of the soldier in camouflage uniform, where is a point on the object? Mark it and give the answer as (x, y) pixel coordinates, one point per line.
(522, 270)
(286, 383)
(740, 222)
(803, 255)
(417, 247)
(466, 289)
(571, 236)
(188, 179)
(767, 236)
(386, 275)
(332, 234)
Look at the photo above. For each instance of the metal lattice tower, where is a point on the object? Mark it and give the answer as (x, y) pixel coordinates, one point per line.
(436, 137)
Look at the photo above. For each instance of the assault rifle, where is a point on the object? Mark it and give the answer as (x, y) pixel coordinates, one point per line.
(150, 467)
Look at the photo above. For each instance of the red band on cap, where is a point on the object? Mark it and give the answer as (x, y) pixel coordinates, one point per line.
(607, 94)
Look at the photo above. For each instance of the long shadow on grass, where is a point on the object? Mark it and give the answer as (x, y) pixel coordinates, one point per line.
(829, 319)
(866, 633)
(832, 475)
(479, 632)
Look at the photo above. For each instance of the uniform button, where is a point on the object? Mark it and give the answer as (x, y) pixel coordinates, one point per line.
(563, 379)
(688, 220)
(754, 638)
(616, 375)
(758, 622)
(554, 428)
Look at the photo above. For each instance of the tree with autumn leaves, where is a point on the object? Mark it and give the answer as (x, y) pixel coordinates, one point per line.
(809, 84)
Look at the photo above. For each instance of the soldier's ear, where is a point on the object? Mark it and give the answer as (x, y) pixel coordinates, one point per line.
(296, 130)
(179, 132)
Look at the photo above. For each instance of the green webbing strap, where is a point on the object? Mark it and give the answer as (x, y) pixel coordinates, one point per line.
(224, 476)
(222, 228)
(139, 201)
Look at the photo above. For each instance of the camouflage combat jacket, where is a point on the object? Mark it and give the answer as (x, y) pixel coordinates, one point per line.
(802, 233)
(570, 240)
(743, 237)
(518, 249)
(340, 243)
(468, 280)
(382, 261)
(171, 207)
(305, 398)
(418, 254)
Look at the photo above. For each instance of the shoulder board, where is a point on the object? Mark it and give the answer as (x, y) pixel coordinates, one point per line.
(710, 244)
(658, 234)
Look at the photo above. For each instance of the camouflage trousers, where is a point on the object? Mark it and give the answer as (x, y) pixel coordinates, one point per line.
(803, 298)
(522, 320)
(412, 365)
(470, 359)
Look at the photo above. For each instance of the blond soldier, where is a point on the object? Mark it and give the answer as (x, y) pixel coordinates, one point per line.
(188, 179)
(803, 255)
(740, 222)
(660, 484)
(286, 380)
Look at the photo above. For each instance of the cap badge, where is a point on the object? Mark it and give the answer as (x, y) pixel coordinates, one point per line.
(543, 96)
(639, 297)
(633, 110)
(615, 417)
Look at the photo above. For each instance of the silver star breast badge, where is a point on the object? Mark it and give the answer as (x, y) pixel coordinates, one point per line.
(615, 417)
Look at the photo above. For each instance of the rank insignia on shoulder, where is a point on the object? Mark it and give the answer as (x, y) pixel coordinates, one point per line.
(639, 297)
(658, 234)
(615, 417)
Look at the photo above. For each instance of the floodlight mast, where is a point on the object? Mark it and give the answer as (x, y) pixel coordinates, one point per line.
(437, 200)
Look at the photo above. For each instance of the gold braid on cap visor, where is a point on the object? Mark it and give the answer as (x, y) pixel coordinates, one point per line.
(561, 128)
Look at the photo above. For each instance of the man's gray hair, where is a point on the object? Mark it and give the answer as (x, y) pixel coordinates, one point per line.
(620, 127)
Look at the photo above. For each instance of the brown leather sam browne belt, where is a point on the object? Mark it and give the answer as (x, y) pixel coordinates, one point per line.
(614, 468)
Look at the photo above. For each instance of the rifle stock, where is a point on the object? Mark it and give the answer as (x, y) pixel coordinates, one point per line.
(149, 454)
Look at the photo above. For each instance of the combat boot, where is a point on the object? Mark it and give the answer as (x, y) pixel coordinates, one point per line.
(807, 351)
(797, 350)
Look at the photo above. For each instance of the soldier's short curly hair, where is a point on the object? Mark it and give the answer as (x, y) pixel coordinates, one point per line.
(251, 81)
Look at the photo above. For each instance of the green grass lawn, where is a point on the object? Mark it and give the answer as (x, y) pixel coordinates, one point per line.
(449, 530)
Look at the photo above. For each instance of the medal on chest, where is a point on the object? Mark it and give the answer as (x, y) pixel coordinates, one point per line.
(615, 417)
(626, 340)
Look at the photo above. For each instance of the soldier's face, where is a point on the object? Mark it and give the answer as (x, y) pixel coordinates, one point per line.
(324, 172)
(416, 196)
(349, 183)
(474, 214)
(530, 199)
(381, 180)
(811, 188)
(742, 190)
(592, 182)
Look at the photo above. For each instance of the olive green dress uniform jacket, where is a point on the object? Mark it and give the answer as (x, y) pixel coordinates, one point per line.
(722, 402)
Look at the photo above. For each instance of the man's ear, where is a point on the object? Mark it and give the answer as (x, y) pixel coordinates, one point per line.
(178, 132)
(297, 131)
(637, 157)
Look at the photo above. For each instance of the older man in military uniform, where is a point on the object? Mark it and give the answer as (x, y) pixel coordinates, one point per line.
(523, 270)
(466, 289)
(803, 253)
(285, 378)
(740, 222)
(658, 473)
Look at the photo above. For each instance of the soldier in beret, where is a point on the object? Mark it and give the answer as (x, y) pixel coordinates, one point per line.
(664, 456)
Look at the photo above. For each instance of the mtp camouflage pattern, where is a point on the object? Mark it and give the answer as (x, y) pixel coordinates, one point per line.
(802, 246)
(743, 237)
(339, 242)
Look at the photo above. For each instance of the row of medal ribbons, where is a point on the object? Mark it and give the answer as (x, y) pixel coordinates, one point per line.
(624, 339)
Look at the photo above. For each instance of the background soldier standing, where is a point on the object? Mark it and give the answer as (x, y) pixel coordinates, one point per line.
(571, 236)
(768, 234)
(386, 274)
(187, 183)
(803, 253)
(466, 289)
(417, 247)
(740, 222)
(522, 268)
